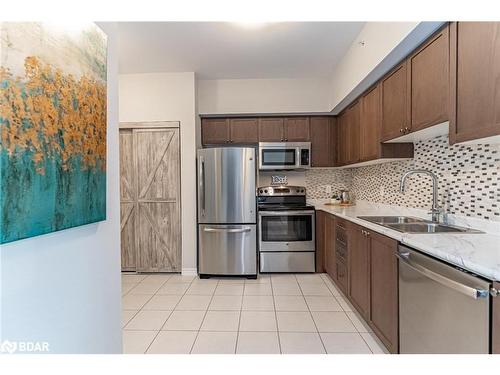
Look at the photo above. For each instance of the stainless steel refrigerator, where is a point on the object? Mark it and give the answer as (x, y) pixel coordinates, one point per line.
(227, 240)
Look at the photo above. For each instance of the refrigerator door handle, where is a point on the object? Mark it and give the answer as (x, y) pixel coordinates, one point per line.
(202, 186)
(228, 230)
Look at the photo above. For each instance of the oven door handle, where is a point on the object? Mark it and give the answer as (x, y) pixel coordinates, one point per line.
(286, 213)
(227, 230)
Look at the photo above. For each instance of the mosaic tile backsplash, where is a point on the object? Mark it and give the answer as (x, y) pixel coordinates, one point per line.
(468, 179)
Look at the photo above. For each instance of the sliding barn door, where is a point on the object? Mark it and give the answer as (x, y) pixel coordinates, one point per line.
(153, 220)
(128, 194)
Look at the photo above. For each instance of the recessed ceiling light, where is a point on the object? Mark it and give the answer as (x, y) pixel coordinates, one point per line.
(251, 24)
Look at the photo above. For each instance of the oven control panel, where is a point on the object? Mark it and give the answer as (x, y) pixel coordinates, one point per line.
(265, 191)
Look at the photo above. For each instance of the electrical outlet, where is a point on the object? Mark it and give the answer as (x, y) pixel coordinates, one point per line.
(328, 189)
(382, 191)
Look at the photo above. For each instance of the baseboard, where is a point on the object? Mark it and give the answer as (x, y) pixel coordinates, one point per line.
(189, 272)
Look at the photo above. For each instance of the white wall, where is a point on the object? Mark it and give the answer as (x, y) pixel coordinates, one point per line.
(262, 95)
(380, 39)
(169, 97)
(64, 287)
(385, 44)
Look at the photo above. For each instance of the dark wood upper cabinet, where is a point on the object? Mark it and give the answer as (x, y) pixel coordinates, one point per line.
(353, 133)
(429, 80)
(384, 290)
(321, 129)
(271, 129)
(341, 149)
(495, 333)
(297, 129)
(370, 125)
(244, 130)
(395, 112)
(214, 131)
(475, 80)
(359, 269)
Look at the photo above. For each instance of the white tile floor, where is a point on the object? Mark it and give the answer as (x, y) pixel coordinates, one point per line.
(289, 314)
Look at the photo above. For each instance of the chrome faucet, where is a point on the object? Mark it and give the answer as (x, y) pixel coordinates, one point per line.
(436, 211)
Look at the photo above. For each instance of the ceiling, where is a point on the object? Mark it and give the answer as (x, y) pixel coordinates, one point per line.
(225, 50)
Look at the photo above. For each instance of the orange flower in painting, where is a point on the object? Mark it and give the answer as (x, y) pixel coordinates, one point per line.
(53, 115)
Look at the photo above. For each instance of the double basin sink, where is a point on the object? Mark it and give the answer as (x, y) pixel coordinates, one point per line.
(408, 224)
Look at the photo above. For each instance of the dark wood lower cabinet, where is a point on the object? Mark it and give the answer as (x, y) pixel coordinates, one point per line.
(359, 269)
(363, 265)
(341, 271)
(321, 238)
(495, 319)
(384, 315)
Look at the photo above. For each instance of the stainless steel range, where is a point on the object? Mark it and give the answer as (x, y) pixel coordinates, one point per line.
(286, 230)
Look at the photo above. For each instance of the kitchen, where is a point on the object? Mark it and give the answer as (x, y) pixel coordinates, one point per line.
(390, 206)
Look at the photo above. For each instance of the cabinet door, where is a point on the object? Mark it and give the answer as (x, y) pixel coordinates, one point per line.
(429, 82)
(475, 80)
(334, 133)
(321, 146)
(495, 334)
(271, 130)
(370, 125)
(214, 131)
(244, 130)
(297, 129)
(359, 269)
(320, 240)
(353, 133)
(341, 139)
(394, 103)
(384, 290)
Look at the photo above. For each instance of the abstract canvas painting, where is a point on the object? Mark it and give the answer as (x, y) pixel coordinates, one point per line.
(52, 127)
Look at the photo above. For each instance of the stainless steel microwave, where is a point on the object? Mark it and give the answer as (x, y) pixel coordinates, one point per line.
(284, 155)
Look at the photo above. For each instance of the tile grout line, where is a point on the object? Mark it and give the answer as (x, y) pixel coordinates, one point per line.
(345, 312)
(312, 317)
(239, 320)
(204, 316)
(171, 312)
(275, 314)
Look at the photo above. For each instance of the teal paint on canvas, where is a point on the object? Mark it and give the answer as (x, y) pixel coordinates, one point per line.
(53, 130)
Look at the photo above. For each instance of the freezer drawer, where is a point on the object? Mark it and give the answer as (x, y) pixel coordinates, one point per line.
(287, 261)
(442, 310)
(227, 249)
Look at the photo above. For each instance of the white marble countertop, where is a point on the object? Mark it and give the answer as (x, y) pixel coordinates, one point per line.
(475, 252)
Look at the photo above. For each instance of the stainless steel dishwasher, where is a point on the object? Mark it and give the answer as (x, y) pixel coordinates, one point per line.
(442, 309)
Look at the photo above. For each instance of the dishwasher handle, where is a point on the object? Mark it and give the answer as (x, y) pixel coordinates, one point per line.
(461, 288)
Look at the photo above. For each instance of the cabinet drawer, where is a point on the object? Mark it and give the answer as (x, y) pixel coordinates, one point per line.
(341, 234)
(342, 276)
(341, 252)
